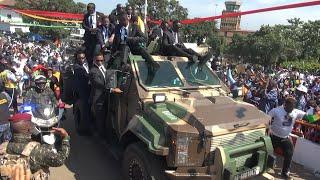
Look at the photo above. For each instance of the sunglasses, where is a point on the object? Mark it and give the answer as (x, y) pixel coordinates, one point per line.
(99, 60)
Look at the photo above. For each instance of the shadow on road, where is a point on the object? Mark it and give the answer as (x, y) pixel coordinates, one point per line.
(88, 160)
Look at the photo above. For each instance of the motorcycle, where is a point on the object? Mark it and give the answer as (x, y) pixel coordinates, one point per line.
(43, 117)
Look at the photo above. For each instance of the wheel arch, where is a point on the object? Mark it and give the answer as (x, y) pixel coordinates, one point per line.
(140, 130)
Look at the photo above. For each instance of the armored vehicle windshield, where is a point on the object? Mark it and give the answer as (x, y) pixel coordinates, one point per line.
(181, 74)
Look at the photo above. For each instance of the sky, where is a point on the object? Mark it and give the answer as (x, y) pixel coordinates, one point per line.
(205, 8)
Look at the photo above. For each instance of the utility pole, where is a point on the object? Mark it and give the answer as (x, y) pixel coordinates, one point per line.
(215, 10)
(145, 11)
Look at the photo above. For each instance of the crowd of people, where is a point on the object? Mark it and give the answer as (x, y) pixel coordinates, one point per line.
(286, 96)
(269, 90)
(41, 72)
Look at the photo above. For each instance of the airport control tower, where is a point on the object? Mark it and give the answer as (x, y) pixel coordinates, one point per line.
(231, 23)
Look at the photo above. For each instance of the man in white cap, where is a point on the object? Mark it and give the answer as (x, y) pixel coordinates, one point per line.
(301, 93)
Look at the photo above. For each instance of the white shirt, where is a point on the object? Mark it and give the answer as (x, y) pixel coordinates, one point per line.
(176, 39)
(282, 123)
(103, 71)
(85, 66)
(127, 28)
(94, 20)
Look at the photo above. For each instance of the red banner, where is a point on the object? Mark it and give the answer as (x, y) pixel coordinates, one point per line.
(74, 16)
(52, 14)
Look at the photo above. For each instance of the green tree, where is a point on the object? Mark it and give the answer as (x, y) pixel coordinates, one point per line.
(50, 5)
(297, 41)
(164, 9)
(199, 31)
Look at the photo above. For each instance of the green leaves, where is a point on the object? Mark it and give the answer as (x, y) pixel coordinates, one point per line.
(50, 5)
(296, 41)
(164, 9)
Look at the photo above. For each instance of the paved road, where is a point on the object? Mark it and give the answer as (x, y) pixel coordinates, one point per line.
(90, 160)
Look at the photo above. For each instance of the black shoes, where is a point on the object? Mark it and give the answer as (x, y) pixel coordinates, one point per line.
(193, 58)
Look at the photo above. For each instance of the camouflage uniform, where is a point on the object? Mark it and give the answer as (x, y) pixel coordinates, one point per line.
(42, 156)
(44, 97)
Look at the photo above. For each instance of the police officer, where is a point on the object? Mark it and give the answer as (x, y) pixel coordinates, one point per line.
(40, 94)
(42, 156)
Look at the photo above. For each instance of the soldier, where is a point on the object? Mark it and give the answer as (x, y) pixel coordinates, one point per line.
(41, 156)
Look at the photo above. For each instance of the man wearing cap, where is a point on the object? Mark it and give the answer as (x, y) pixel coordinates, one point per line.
(301, 92)
(281, 125)
(42, 156)
(5, 133)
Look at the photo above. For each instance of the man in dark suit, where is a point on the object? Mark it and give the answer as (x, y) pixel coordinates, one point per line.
(82, 93)
(99, 91)
(90, 24)
(172, 44)
(105, 34)
(130, 37)
(116, 13)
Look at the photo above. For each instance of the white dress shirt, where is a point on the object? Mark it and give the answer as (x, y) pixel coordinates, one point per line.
(94, 20)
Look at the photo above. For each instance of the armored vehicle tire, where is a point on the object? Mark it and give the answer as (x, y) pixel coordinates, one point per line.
(139, 164)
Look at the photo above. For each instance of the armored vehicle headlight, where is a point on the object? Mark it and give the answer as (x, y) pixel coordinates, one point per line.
(182, 150)
(159, 98)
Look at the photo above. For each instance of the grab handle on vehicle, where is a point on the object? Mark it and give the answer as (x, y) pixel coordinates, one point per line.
(236, 126)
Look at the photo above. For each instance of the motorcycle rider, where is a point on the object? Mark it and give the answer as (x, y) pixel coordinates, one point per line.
(40, 93)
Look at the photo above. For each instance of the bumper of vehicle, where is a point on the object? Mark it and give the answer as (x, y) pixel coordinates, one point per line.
(185, 175)
(173, 175)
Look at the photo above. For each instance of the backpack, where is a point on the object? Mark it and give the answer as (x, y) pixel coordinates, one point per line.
(11, 166)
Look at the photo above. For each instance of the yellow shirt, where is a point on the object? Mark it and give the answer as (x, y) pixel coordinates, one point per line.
(141, 24)
(7, 82)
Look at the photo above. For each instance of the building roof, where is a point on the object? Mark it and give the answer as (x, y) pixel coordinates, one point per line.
(8, 2)
(236, 2)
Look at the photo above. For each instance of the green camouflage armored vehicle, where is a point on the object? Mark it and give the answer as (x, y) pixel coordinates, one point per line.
(177, 122)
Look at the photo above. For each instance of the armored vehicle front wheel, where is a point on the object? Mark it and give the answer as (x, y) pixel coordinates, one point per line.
(139, 164)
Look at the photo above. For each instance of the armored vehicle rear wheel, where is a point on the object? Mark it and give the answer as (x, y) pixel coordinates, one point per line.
(139, 164)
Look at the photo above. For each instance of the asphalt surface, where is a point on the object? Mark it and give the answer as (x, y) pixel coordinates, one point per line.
(91, 160)
(88, 160)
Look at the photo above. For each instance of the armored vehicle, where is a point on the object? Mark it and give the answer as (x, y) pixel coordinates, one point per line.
(177, 122)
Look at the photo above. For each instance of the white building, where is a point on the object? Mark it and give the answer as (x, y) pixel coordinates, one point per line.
(11, 21)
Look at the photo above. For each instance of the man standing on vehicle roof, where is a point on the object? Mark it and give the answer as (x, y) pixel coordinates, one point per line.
(282, 122)
(90, 24)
